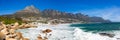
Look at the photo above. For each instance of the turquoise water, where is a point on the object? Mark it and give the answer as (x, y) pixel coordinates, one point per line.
(98, 27)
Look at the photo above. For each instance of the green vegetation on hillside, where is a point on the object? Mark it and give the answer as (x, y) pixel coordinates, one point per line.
(7, 20)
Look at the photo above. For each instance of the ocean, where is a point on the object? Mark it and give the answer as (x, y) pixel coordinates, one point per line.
(98, 27)
(75, 31)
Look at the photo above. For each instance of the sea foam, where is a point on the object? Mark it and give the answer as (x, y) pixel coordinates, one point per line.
(81, 35)
(63, 32)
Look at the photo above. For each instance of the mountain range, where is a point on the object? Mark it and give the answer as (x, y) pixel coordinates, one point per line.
(49, 14)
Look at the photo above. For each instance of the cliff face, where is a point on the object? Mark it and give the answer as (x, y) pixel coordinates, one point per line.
(31, 11)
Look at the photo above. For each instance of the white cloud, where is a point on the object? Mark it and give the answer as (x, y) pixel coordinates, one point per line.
(111, 13)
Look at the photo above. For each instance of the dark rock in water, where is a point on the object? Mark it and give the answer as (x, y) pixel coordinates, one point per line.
(118, 38)
(107, 34)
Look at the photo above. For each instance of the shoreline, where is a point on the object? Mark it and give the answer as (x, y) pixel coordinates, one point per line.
(63, 32)
(59, 32)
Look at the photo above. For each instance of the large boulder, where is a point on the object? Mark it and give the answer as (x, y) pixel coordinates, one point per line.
(12, 31)
(47, 31)
(2, 36)
(5, 31)
(19, 35)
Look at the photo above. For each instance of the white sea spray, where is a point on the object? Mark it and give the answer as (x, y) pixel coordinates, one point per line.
(63, 32)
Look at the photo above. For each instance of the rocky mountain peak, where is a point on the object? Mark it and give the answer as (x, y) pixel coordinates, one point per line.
(32, 9)
(29, 7)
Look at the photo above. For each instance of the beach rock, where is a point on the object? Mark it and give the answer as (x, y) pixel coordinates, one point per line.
(5, 31)
(25, 39)
(3, 25)
(11, 39)
(15, 26)
(118, 38)
(19, 35)
(47, 31)
(45, 38)
(12, 31)
(1, 28)
(22, 26)
(39, 37)
(107, 34)
(2, 36)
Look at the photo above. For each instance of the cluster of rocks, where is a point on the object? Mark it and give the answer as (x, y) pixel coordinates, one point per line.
(8, 32)
(107, 34)
(46, 31)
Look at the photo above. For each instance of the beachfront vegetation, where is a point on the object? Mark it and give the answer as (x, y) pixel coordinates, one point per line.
(7, 20)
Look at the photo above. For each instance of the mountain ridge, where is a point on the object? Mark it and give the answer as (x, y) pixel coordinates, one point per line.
(31, 11)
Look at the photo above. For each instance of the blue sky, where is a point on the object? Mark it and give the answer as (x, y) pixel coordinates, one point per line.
(108, 9)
